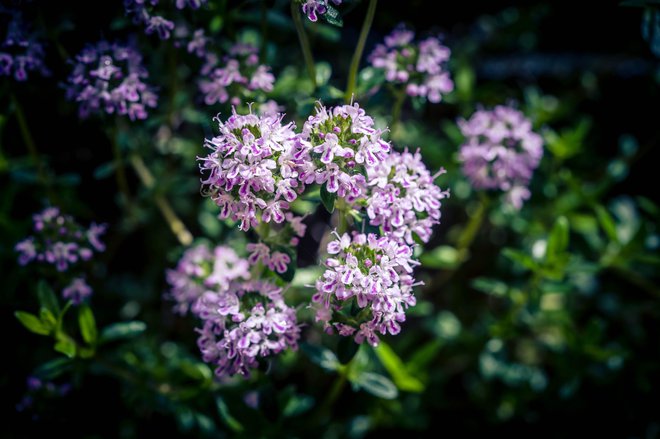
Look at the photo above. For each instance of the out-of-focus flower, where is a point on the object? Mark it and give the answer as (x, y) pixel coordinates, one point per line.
(500, 152)
(77, 291)
(418, 66)
(237, 78)
(109, 78)
(200, 269)
(59, 240)
(244, 323)
(20, 52)
(146, 12)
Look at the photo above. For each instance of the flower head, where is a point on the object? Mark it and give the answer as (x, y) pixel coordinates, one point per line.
(238, 77)
(146, 12)
(77, 291)
(403, 197)
(371, 274)
(59, 240)
(247, 321)
(200, 269)
(253, 168)
(500, 151)
(109, 78)
(20, 52)
(338, 145)
(316, 8)
(419, 66)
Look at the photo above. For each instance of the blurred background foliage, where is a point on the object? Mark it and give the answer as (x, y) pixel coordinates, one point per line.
(542, 321)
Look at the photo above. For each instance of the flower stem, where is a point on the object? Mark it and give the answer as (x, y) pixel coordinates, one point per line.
(468, 234)
(463, 243)
(337, 388)
(120, 170)
(304, 43)
(176, 225)
(400, 98)
(359, 48)
(29, 142)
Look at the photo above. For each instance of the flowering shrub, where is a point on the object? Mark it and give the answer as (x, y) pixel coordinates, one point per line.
(326, 218)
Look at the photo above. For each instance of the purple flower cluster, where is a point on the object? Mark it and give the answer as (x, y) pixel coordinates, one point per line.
(246, 321)
(38, 389)
(339, 144)
(59, 240)
(419, 66)
(21, 52)
(403, 198)
(372, 272)
(109, 77)
(142, 12)
(200, 269)
(239, 76)
(315, 8)
(258, 166)
(242, 319)
(253, 169)
(77, 291)
(500, 152)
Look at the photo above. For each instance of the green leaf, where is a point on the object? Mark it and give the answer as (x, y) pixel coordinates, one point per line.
(32, 323)
(216, 24)
(607, 223)
(87, 324)
(47, 298)
(65, 345)
(231, 422)
(423, 356)
(323, 73)
(47, 318)
(443, 256)
(104, 171)
(321, 356)
(521, 258)
(297, 405)
(558, 240)
(490, 286)
(346, 349)
(332, 16)
(397, 369)
(53, 368)
(122, 330)
(376, 384)
(328, 199)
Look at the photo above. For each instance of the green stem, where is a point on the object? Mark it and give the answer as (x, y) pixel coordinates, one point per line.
(400, 98)
(176, 225)
(463, 243)
(29, 141)
(336, 389)
(174, 82)
(468, 234)
(264, 30)
(636, 279)
(304, 43)
(357, 55)
(120, 171)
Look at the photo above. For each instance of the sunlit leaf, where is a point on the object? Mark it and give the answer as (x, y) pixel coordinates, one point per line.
(397, 369)
(32, 323)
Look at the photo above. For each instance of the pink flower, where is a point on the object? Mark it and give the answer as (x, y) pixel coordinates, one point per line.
(373, 272)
